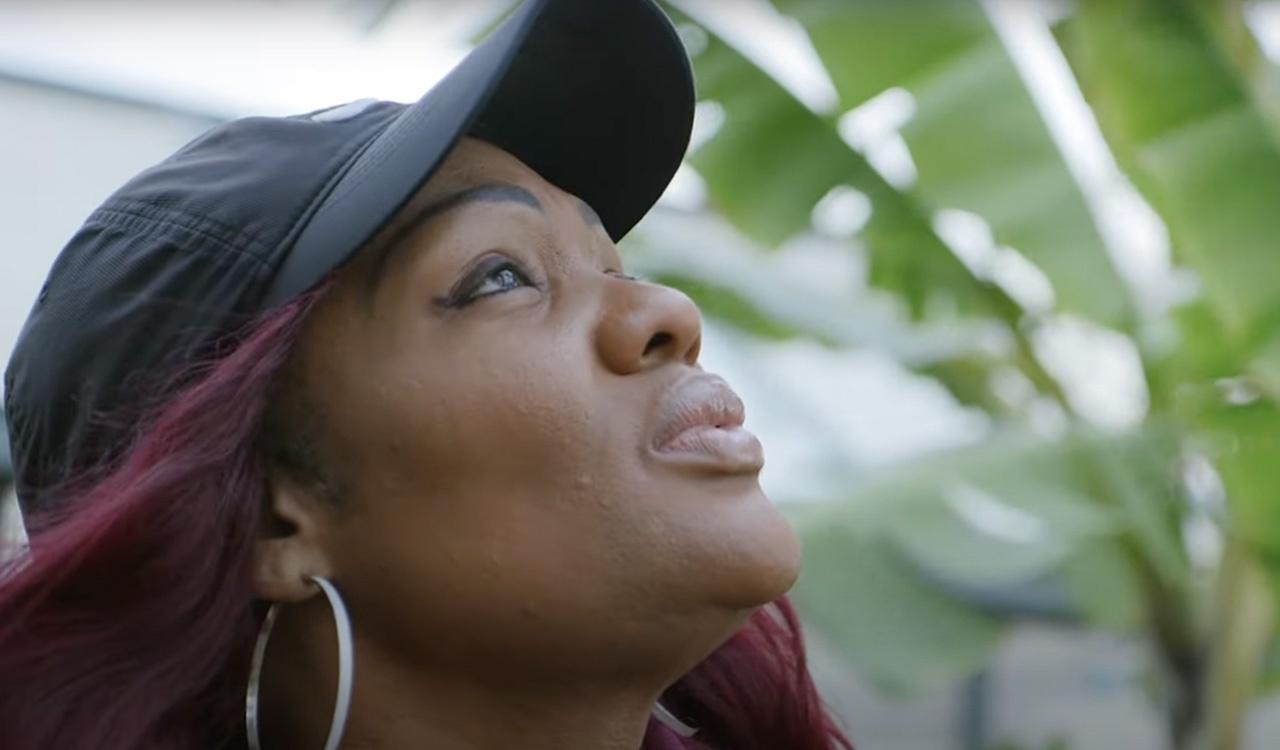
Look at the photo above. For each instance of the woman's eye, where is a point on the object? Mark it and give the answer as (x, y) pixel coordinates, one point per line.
(496, 280)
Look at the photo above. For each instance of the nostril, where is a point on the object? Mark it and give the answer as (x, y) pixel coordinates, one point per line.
(657, 341)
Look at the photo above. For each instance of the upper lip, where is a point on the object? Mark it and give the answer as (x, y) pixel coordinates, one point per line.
(702, 400)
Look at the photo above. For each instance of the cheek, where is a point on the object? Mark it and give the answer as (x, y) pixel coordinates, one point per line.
(514, 489)
(515, 443)
(512, 426)
(440, 422)
(502, 525)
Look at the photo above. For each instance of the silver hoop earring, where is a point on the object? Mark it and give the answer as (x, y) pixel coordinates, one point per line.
(346, 669)
(664, 716)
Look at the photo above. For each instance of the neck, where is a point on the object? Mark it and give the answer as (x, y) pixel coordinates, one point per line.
(453, 712)
(397, 705)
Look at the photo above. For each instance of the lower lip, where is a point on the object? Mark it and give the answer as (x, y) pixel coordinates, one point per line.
(729, 449)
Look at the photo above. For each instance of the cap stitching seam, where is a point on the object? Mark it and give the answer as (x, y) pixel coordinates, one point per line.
(149, 219)
(151, 209)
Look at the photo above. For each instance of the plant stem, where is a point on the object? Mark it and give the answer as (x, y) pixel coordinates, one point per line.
(1244, 618)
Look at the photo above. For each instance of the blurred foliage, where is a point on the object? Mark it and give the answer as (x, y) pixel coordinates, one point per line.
(1187, 105)
(976, 138)
(1054, 744)
(796, 159)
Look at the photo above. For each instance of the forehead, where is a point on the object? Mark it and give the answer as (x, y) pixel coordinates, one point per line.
(475, 162)
(471, 163)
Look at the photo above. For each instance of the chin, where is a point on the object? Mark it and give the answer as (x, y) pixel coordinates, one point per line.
(761, 556)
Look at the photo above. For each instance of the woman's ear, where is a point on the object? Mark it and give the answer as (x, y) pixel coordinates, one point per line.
(290, 549)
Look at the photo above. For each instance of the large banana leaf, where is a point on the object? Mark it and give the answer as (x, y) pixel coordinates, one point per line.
(772, 296)
(872, 605)
(1179, 118)
(992, 517)
(977, 139)
(773, 160)
(1182, 123)
(1185, 122)
(1244, 442)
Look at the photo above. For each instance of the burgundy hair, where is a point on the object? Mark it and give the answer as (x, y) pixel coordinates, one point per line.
(129, 623)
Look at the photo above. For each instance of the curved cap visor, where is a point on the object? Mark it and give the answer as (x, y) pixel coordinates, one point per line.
(594, 95)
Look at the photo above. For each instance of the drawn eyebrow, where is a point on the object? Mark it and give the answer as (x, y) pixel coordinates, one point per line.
(490, 193)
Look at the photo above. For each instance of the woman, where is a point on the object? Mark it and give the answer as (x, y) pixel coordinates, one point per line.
(359, 373)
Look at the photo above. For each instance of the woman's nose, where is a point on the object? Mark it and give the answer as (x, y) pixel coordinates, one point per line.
(646, 325)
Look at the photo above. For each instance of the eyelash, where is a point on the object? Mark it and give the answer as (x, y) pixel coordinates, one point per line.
(467, 291)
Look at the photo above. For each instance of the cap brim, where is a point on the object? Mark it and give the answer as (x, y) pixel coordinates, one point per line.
(595, 96)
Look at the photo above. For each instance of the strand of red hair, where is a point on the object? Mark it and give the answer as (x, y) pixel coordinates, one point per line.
(129, 623)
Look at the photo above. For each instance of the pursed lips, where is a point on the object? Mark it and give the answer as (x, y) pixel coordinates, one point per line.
(700, 401)
(701, 420)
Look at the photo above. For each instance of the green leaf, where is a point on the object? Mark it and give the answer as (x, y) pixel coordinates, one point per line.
(1137, 476)
(896, 629)
(1270, 677)
(1102, 582)
(969, 380)
(977, 139)
(1202, 354)
(944, 543)
(905, 40)
(1034, 508)
(1244, 442)
(1004, 512)
(1265, 367)
(1182, 124)
(725, 304)
(774, 295)
(772, 161)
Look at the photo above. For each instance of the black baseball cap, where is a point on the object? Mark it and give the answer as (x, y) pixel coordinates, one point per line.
(594, 95)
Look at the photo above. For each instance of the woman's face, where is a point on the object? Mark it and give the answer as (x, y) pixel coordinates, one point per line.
(534, 468)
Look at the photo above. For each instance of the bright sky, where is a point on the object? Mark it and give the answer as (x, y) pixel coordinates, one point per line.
(237, 58)
(246, 57)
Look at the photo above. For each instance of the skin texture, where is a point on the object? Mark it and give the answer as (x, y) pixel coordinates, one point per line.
(521, 569)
